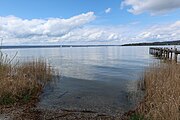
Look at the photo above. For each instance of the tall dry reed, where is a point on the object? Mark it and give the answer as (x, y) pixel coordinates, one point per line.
(22, 82)
(162, 88)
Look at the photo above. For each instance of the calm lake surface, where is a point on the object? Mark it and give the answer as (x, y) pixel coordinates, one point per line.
(100, 79)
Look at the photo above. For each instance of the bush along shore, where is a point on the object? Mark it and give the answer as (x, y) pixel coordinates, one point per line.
(162, 93)
(22, 83)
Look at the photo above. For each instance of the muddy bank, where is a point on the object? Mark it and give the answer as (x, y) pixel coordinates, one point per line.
(44, 114)
(63, 115)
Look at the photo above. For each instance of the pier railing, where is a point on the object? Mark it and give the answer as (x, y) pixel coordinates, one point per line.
(166, 53)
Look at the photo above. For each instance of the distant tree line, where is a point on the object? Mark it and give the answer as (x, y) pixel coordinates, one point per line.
(177, 42)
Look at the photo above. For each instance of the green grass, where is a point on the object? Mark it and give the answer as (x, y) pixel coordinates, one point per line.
(7, 100)
(137, 117)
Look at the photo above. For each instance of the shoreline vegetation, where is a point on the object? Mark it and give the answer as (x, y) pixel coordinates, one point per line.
(161, 83)
(177, 42)
(22, 83)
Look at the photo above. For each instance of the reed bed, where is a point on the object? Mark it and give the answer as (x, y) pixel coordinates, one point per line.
(162, 93)
(20, 83)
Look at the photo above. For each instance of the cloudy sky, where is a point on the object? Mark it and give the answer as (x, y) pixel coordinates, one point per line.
(88, 21)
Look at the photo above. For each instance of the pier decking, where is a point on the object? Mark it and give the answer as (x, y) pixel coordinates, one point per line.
(166, 53)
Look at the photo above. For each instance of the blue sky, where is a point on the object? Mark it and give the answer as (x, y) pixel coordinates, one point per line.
(100, 21)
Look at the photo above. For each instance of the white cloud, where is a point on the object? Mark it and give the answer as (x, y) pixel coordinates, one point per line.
(76, 30)
(151, 6)
(91, 35)
(108, 10)
(166, 32)
(125, 34)
(12, 27)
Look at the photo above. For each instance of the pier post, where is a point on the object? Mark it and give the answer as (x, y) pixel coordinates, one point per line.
(171, 54)
(160, 53)
(175, 54)
(168, 53)
(165, 53)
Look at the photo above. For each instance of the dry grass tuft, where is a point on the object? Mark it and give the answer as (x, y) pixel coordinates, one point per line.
(22, 82)
(162, 88)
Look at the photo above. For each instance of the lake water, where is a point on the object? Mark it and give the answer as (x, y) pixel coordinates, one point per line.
(100, 79)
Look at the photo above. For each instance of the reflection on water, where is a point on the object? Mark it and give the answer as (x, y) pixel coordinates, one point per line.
(92, 78)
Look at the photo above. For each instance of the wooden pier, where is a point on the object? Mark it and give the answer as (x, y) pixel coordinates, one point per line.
(165, 53)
